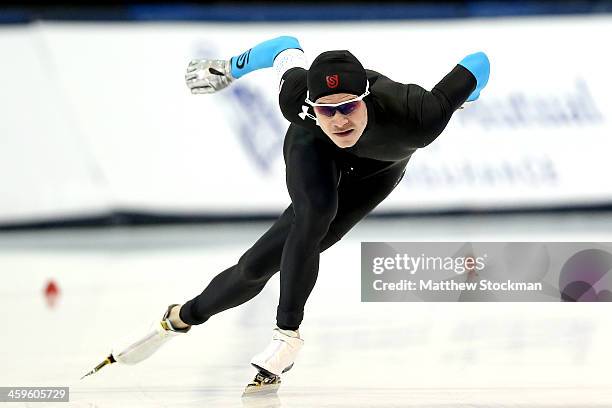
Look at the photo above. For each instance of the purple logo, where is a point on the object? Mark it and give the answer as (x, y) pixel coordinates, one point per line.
(585, 277)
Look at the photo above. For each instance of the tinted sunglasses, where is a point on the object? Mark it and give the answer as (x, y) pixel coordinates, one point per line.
(345, 108)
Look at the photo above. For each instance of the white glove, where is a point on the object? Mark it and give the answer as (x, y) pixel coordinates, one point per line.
(208, 76)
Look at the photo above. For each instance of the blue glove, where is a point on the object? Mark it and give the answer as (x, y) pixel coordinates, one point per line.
(478, 65)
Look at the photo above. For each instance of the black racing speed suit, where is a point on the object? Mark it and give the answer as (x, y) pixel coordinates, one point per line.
(331, 188)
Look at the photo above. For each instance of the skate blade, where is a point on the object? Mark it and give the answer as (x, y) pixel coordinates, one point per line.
(108, 360)
(264, 383)
(252, 389)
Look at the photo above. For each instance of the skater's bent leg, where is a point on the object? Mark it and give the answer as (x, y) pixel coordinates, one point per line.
(300, 262)
(354, 201)
(312, 180)
(244, 280)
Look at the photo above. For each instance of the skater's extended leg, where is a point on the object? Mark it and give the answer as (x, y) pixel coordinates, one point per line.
(230, 288)
(244, 280)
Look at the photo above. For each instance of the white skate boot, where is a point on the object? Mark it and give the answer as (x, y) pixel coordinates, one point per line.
(275, 360)
(136, 351)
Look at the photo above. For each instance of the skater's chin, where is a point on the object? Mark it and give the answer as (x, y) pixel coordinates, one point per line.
(345, 139)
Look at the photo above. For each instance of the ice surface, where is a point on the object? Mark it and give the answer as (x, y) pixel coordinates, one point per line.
(112, 282)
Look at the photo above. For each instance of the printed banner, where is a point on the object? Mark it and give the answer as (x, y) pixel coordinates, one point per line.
(486, 272)
(113, 126)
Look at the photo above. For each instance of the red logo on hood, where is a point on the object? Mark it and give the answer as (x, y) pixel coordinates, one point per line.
(332, 81)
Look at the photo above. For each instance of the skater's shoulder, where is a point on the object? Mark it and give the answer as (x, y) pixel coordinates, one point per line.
(388, 96)
(295, 75)
(375, 77)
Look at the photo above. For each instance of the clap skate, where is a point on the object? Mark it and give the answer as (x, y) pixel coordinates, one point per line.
(276, 359)
(135, 352)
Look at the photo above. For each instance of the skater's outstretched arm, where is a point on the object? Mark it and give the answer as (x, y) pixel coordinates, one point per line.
(429, 112)
(208, 76)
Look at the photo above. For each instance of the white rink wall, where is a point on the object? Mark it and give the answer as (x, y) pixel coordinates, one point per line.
(96, 117)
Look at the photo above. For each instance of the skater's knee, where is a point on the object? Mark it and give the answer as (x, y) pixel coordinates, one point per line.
(255, 270)
(315, 218)
(331, 238)
(313, 229)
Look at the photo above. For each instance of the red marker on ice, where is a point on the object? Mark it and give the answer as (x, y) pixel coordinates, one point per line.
(51, 293)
